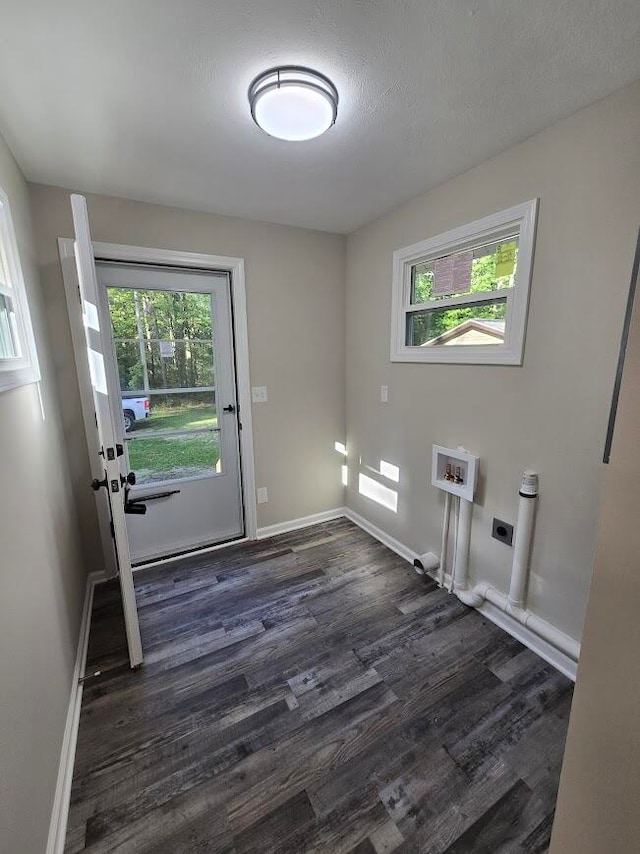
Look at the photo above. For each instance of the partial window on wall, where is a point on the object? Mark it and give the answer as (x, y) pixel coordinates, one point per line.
(463, 296)
(18, 358)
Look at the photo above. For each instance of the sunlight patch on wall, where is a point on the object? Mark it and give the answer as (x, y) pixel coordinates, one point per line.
(390, 471)
(377, 492)
(90, 316)
(340, 448)
(96, 369)
(41, 401)
(345, 475)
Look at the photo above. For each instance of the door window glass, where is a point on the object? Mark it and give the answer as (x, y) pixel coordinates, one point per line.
(164, 346)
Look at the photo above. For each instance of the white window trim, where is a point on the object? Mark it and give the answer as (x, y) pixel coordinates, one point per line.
(522, 218)
(24, 369)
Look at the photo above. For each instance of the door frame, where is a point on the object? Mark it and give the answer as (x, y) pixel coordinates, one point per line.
(169, 258)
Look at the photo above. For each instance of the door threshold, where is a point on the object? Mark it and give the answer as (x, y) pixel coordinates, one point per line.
(189, 553)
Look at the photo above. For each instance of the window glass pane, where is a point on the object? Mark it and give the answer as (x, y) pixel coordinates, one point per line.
(475, 325)
(159, 412)
(8, 330)
(130, 365)
(180, 364)
(162, 339)
(159, 315)
(168, 364)
(122, 310)
(484, 268)
(160, 459)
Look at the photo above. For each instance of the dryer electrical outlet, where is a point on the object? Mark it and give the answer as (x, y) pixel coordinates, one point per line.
(502, 531)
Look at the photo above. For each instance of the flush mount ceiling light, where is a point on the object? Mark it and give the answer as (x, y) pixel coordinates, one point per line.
(293, 103)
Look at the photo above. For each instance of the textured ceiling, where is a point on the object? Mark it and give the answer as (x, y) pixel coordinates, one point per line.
(147, 98)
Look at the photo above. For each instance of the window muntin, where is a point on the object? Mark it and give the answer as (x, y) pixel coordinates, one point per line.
(18, 359)
(463, 296)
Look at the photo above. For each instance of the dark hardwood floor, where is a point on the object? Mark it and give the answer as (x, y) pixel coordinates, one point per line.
(311, 693)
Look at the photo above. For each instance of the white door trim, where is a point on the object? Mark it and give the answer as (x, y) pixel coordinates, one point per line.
(196, 260)
(74, 313)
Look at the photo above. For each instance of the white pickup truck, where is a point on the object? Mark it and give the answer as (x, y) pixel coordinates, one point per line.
(135, 409)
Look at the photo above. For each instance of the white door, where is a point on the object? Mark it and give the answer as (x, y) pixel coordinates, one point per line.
(171, 373)
(98, 346)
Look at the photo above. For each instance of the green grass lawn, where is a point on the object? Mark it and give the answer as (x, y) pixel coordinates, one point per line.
(157, 458)
(183, 418)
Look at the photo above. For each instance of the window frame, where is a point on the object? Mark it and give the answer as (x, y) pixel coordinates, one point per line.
(23, 369)
(521, 218)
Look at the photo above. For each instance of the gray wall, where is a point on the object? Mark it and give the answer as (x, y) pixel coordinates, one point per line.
(42, 579)
(295, 300)
(597, 808)
(550, 413)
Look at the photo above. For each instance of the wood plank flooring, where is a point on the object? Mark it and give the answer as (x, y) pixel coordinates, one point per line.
(310, 693)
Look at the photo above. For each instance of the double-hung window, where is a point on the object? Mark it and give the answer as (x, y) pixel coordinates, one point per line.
(463, 296)
(18, 359)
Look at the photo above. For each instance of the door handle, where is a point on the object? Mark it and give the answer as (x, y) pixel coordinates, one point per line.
(131, 506)
(96, 484)
(229, 408)
(135, 509)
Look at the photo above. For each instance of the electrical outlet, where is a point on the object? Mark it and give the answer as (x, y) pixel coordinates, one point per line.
(384, 393)
(259, 394)
(263, 495)
(502, 531)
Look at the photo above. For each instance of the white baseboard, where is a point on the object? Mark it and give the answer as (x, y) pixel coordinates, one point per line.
(60, 811)
(389, 541)
(535, 643)
(303, 522)
(505, 621)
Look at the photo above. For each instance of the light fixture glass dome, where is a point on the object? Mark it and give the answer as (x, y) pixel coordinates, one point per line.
(293, 103)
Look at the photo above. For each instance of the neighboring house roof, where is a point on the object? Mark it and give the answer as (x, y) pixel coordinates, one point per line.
(472, 331)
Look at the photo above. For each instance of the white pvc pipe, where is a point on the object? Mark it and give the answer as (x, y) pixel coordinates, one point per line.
(514, 602)
(460, 570)
(536, 624)
(475, 597)
(456, 519)
(522, 544)
(444, 546)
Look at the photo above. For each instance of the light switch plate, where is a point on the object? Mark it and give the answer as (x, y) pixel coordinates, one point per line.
(263, 495)
(384, 393)
(259, 394)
